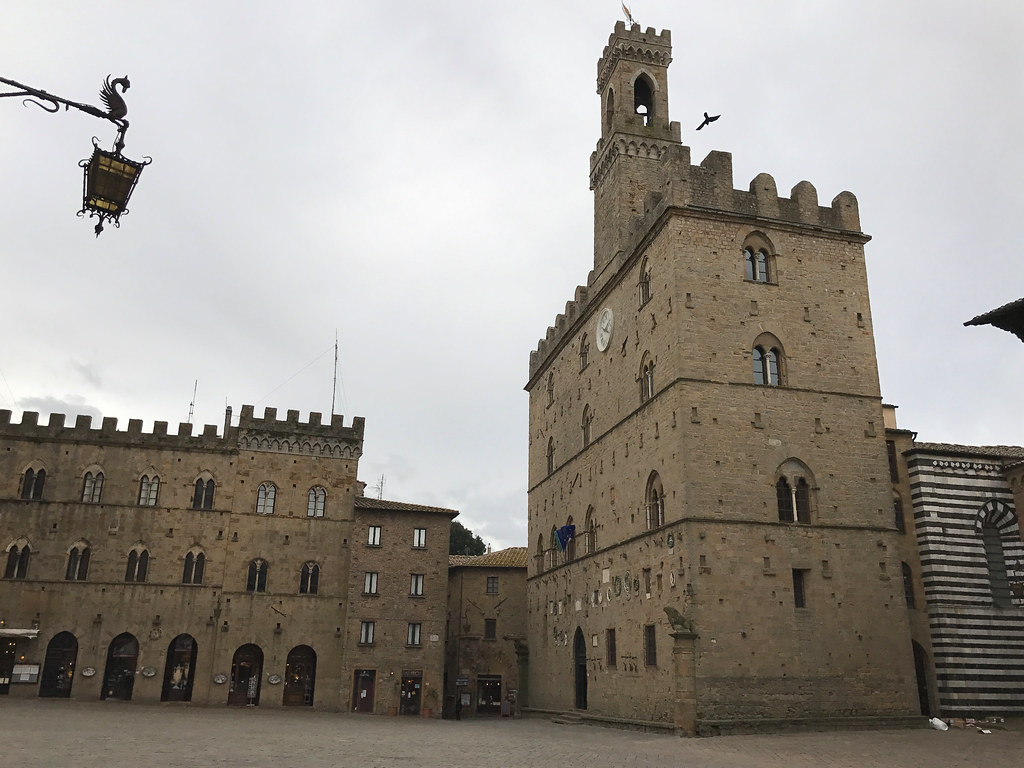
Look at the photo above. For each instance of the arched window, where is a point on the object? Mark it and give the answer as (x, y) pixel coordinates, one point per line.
(584, 352)
(315, 501)
(609, 110)
(767, 366)
(138, 564)
(570, 546)
(309, 579)
(78, 562)
(551, 388)
(590, 524)
(646, 378)
(92, 487)
(202, 498)
(553, 547)
(908, 586)
(643, 98)
(551, 455)
(655, 502)
(265, 496)
(793, 492)
(588, 418)
(995, 558)
(539, 555)
(256, 579)
(149, 490)
(757, 265)
(195, 565)
(644, 284)
(784, 497)
(18, 554)
(32, 484)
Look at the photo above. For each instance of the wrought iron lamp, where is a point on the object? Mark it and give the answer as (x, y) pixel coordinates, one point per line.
(110, 177)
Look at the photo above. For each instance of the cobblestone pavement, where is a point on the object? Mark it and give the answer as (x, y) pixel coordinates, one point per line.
(115, 735)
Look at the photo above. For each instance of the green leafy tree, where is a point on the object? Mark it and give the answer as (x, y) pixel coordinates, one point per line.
(463, 542)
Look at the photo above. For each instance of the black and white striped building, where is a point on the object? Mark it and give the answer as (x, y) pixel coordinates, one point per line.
(971, 560)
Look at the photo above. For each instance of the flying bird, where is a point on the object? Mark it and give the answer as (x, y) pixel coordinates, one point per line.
(112, 100)
(708, 120)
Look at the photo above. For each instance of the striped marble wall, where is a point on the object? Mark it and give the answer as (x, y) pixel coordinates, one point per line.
(975, 613)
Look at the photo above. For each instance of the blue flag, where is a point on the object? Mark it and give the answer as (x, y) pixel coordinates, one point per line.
(564, 535)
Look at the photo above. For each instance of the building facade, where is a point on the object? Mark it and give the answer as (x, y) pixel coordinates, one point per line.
(963, 571)
(706, 413)
(485, 654)
(212, 568)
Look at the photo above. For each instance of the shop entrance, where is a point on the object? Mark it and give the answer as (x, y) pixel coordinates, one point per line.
(59, 666)
(488, 694)
(246, 676)
(412, 687)
(122, 660)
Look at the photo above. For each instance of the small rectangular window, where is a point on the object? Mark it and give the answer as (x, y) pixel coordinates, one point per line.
(370, 583)
(413, 636)
(490, 629)
(799, 587)
(419, 537)
(609, 643)
(416, 584)
(650, 646)
(492, 585)
(373, 537)
(647, 582)
(366, 633)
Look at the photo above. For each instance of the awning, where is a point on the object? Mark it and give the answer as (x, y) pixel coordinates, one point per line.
(30, 634)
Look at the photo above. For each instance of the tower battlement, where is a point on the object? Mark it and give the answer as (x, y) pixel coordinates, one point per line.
(250, 428)
(630, 43)
(701, 190)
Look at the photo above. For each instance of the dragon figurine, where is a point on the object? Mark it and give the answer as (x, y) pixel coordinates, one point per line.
(112, 100)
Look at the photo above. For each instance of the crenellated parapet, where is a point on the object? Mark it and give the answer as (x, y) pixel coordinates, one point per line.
(309, 438)
(268, 433)
(699, 190)
(647, 47)
(83, 430)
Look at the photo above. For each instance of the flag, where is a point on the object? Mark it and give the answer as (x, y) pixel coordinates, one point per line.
(564, 535)
(629, 16)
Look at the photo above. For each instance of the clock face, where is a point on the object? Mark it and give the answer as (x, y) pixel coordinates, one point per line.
(605, 325)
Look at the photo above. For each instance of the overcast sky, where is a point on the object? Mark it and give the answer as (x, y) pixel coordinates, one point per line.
(414, 175)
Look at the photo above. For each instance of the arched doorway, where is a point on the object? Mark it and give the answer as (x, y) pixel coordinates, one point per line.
(299, 677)
(59, 666)
(246, 676)
(181, 661)
(579, 653)
(921, 669)
(119, 675)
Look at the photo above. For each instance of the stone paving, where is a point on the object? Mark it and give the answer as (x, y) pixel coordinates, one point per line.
(117, 735)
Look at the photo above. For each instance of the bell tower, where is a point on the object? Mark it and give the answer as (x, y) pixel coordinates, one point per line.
(632, 81)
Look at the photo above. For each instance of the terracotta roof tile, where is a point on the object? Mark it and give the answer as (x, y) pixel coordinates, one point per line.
(366, 502)
(513, 557)
(991, 451)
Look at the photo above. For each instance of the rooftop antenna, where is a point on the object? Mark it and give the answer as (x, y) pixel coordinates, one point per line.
(629, 16)
(334, 389)
(192, 405)
(380, 487)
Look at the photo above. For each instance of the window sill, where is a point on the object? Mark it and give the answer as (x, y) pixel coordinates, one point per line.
(366, 645)
(372, 546)
(371, 594)
(419, 548)
(416, 597)
(417, 646)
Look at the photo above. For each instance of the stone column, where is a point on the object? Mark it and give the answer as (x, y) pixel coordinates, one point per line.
(684, 668)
